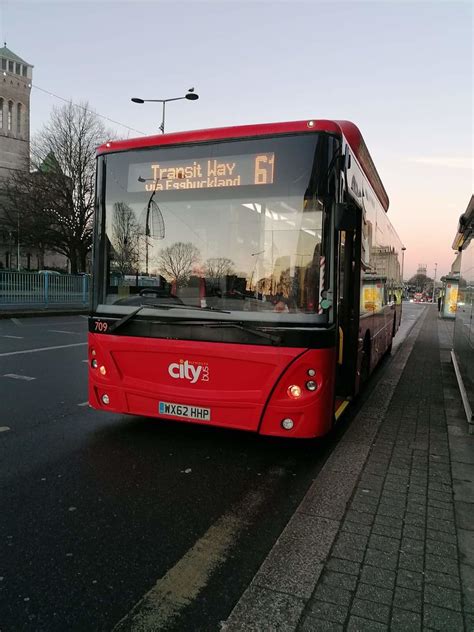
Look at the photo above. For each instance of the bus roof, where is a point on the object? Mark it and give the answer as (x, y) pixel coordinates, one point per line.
(350, 131)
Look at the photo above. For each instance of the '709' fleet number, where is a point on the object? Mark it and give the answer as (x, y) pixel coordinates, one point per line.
(100, 326)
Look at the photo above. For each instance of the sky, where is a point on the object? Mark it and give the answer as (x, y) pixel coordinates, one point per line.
(401, 71)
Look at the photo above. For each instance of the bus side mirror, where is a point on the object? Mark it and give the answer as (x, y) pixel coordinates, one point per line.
(345, 217)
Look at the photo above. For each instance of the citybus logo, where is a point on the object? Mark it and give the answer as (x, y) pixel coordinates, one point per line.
(192, 371)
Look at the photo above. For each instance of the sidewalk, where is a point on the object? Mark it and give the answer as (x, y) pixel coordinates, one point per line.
(384, 538)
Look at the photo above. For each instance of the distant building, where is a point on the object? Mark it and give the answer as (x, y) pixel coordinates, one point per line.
(385, 262)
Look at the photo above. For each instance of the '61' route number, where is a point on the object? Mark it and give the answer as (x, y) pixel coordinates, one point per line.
(101, 326)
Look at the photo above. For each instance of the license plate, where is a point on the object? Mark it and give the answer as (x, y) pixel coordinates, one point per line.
(183, 410)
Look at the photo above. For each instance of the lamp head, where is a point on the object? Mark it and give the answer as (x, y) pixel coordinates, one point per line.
(137, 100)
(191, 96)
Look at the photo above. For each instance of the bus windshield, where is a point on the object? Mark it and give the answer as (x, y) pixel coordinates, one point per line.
(235, 226)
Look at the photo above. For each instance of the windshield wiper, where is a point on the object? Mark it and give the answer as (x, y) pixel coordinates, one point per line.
(243, 327)
(164, 306)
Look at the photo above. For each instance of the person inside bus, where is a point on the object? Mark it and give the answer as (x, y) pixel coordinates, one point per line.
(280, 304)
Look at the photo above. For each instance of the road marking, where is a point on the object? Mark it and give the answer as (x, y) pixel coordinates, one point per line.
(4, 428)
(341, 408)
(84, 360)
(17, 322)
(182, 583)
(16, 337)
(60, 331)
(14, 376)
(84, 403)
(12, 353)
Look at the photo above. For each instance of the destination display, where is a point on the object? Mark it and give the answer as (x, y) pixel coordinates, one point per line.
(202, 173)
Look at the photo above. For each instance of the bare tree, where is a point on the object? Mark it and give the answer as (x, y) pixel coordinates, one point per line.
(284, 284)
(218, 267)
(126, 239)
(176, 262)
(420, 282)
(21, 201)
(71, 137)
(61, 188)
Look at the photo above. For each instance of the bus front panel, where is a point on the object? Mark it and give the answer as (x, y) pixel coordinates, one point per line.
(252, 388)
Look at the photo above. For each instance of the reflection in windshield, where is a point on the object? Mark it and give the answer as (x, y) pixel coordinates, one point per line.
(241, 249)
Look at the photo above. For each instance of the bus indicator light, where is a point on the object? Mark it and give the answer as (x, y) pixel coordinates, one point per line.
(294, 391)
(287, 424)
(311, 372)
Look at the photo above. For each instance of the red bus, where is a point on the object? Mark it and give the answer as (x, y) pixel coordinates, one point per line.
(245, 277)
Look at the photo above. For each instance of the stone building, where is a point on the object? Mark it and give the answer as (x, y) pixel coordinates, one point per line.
(384, 260)
(15, 87)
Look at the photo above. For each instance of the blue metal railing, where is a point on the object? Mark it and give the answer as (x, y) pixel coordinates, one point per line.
(43, 289)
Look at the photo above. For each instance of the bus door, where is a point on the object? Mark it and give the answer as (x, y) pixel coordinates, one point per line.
(348, 296)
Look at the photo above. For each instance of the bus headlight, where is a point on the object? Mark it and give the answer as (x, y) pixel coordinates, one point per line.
(287, 424)
(311, 385)
(102, 370)
(94, 363)
(105, 399)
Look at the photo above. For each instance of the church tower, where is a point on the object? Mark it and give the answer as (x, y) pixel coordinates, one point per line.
(15, 87)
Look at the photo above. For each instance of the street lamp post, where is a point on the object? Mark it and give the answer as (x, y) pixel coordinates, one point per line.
(147, 219)
(434, 283)
(403, 266)
(255, 254)
(18, 242)
(10, 254)
(190, 96)
(147, 229)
